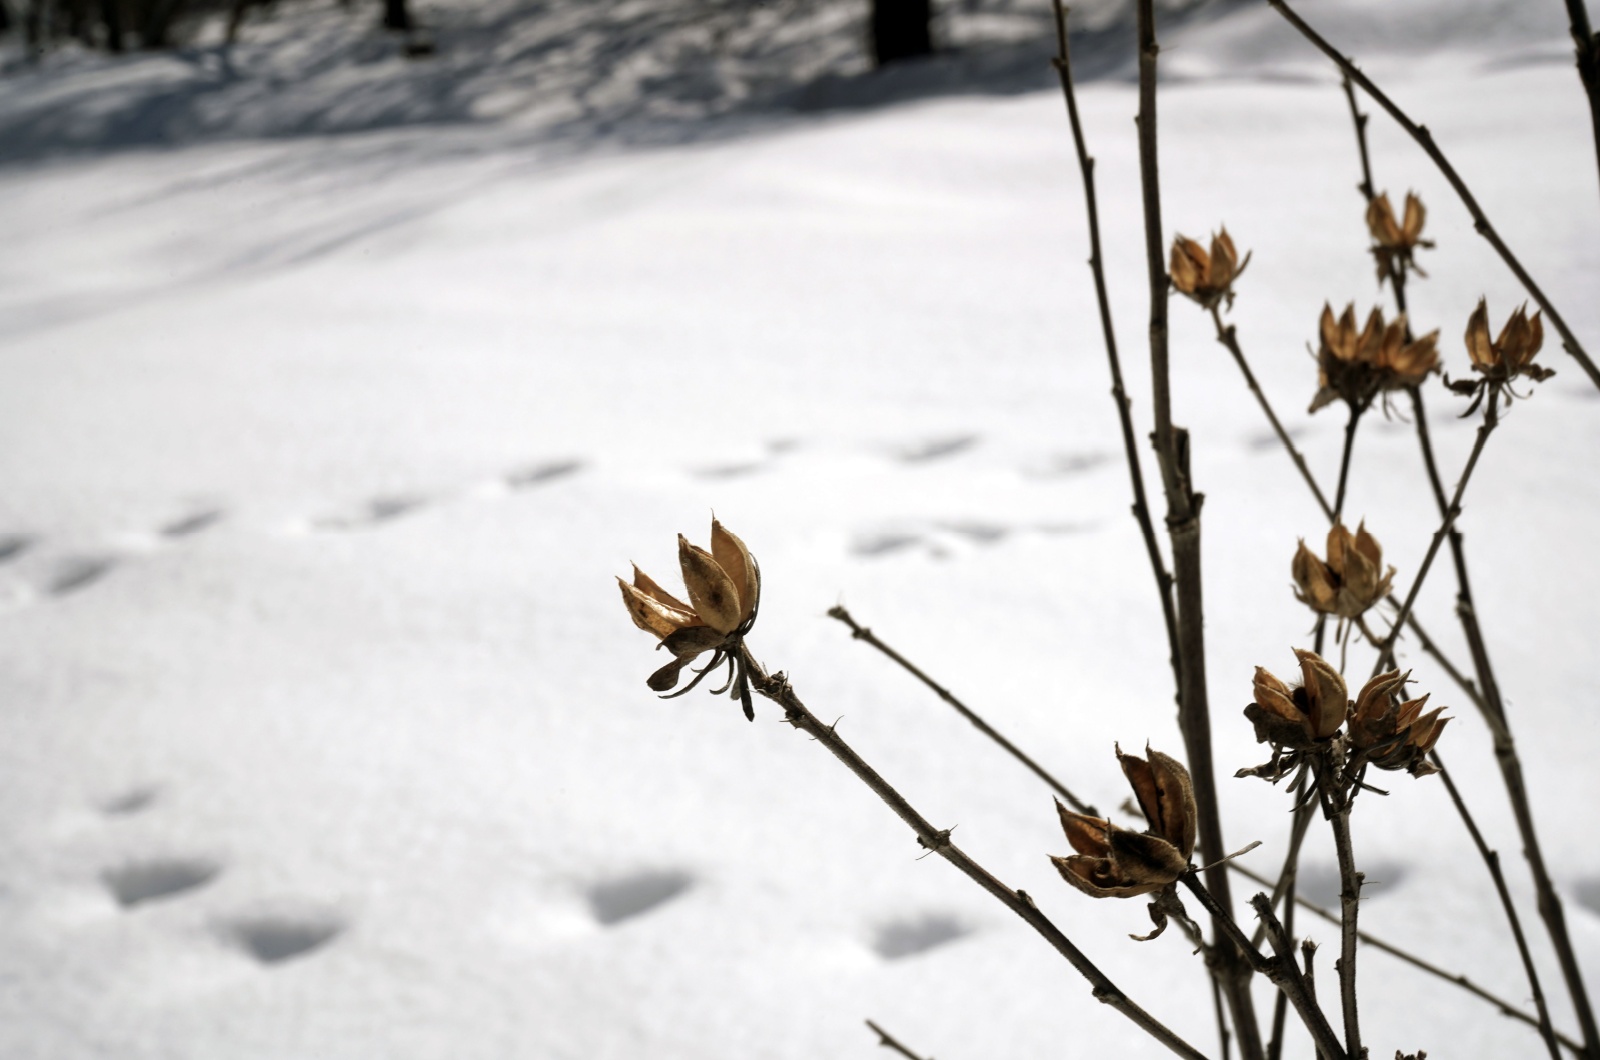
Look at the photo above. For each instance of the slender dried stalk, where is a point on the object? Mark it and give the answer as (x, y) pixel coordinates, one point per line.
(1337, 809)
(1493, 709)
(1281, 888)
(1283, 972)
(1119, 393)
(1229, 337)
(1344, 459)
(1480, 220)
(1183, 527)
(1491, 419)
(777, 688)
(887, 1040)
(1492, 860)
(1588, 49)
(861, 633)
(1506, 1007)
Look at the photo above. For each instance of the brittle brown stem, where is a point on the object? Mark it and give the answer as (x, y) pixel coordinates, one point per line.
(1506, 1007)
(1336, 805)
(1492, 707)
(862, 633)
(1119, 393)
(1228, 336)
(1588, 55)
(776, 688)
(1281, 970)
(888, 1041)
(1480, 220)
(1344, 459)
(1491, 860)
(1183, 527)
(1282, 888)
(1491, 419)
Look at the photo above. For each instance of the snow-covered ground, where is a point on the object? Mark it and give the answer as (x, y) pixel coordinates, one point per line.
(324, 734)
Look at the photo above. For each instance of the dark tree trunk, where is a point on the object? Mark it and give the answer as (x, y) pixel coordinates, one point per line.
(396, 15)
(111, 15)
(901, 30)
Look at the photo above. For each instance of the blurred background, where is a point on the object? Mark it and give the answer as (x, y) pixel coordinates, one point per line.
(348, 350)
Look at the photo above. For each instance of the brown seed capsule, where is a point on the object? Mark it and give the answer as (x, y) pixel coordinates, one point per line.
(1512, 353)
(1357, 364)
(1395, 734)
(1351, 580)
(1297, 717)
(1206, 277)
(1394, 242)
(724, 586)
(1115, 862)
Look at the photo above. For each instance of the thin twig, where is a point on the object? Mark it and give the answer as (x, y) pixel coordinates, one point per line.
(1309, 950)
(1491, 419)
(1588, 55)
(1506, 1007)
(861, 633)
(1344, 459)
(777, 688)
(888, 1041)
(1491, 860)
(1229, 337)
(1183, 528)
(1281, 970)
(1119, 393)
(1336, 805)
(1480, 220)
(1492, 706)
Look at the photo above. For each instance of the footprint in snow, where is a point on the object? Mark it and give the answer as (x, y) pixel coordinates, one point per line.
(191, 524)
(541, 474)
(374, 513)
(625, 897)
(1319, 882)
(726, 471)
(14, 545)
(76, 572)
(274, 938)
(137, 882)
(928, 450)
(898, 939)
(132, 801)
(1063, 465)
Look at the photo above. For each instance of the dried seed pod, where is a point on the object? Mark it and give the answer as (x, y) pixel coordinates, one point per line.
(1395, 242)
(1355, 364)
(1115, 862)
(1351, 580)
(1297, 718)
(1205, 277)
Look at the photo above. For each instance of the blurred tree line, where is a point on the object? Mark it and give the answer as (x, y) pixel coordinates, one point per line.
(899, 29)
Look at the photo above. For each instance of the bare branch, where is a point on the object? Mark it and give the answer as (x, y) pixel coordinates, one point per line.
(1480, 220)
(887, 1040)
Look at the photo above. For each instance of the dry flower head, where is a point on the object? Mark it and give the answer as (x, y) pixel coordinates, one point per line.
(1395, 241)
(1298, 717)
(1356, 364)
(724, 590)
(1504, 359)
(1349, 581)
(1116, 862)
(1206, 277)
(1392, 733)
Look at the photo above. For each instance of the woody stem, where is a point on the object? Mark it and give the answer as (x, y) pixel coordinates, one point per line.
(1336, 805)
(777, 689)
(1491, 419)
(1344, 459)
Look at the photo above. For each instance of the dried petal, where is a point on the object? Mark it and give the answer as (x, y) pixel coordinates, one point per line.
(1086, 834)
(734, 558)
(652, 615)
(647, 585)
(1326, 698)
(711, 591)
(1479, 348)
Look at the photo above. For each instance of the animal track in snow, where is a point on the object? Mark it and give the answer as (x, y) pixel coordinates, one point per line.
(935, 448)
(1061, 465)
(723, 471)
(132, 801)
(899, 939)
(1319, 882)
(273, 939)
(540, 474)
(375, 512)
(194, 523)
(623, 898)
(137, 882)
(14, 545)
(76, 572)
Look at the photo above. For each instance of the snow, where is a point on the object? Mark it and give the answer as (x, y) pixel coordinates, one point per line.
(324, 433)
